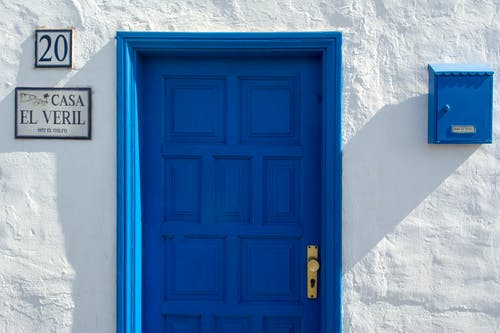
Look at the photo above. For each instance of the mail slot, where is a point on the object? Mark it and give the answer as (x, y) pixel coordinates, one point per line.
(460, 103)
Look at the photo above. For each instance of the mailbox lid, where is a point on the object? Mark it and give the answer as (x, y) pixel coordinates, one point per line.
(460, 69)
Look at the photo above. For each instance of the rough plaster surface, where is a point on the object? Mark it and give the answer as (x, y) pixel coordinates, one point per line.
(421, 225)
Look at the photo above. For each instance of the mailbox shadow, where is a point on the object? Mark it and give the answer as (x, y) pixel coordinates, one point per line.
(389, 169)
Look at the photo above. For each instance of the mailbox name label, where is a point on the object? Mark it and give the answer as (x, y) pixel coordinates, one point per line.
(463, 129)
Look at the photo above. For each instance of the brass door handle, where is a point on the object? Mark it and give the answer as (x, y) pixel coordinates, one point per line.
(313, 266)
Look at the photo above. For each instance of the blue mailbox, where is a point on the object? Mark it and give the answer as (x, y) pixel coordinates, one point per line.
(460, 103)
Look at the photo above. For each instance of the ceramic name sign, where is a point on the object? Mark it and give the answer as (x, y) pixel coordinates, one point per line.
(56, 113)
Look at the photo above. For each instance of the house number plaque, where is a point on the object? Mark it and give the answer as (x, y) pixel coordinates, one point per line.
(53, 113)
(54, 48)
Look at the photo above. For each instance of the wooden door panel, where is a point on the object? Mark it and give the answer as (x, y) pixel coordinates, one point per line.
(230, 155)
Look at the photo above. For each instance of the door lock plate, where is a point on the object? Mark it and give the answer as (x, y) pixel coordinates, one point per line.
(312, 271)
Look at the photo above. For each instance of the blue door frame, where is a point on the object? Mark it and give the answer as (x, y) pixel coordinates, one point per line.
(130, 47)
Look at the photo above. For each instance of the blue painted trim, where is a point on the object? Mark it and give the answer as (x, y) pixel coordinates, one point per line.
(337, 188)
(121, 290)
(128, 196)
(130, 45)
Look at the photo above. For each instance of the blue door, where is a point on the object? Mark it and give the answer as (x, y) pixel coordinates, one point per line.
(231, 171)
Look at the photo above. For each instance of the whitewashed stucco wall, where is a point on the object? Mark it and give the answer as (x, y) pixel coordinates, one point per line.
(421, 223)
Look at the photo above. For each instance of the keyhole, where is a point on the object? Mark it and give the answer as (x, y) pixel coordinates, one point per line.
(313, 283)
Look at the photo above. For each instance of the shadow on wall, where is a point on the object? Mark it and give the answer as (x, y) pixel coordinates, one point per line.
(389, 169)
(85, 173)
(86, 201)
(26, 76)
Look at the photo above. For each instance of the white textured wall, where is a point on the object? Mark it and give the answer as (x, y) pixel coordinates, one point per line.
(421, 223)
